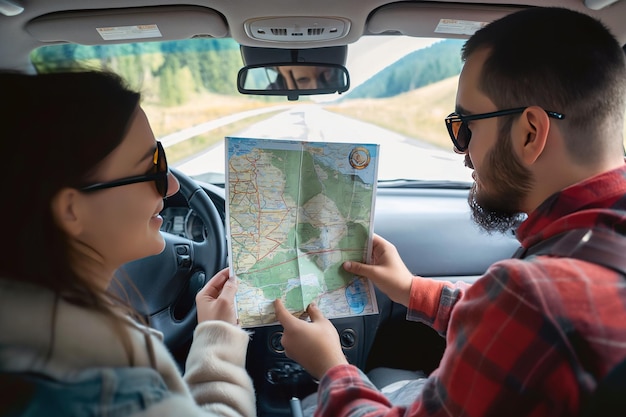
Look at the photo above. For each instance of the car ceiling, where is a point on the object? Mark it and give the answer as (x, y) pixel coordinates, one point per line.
(329, 22)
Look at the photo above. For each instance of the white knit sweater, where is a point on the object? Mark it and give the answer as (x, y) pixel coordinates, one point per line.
(215, 382)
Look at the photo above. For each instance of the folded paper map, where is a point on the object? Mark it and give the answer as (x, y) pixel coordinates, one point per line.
(295, 212)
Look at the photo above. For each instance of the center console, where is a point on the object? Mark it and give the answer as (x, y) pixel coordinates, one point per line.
(278, 379)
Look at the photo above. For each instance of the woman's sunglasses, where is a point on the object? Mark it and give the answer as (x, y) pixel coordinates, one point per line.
(459, 130)
(159, 176)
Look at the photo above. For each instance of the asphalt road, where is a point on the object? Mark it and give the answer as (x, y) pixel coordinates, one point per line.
(400, 156)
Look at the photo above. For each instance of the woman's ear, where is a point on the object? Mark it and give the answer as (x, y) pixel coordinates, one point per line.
(65, 211)
(532, 134)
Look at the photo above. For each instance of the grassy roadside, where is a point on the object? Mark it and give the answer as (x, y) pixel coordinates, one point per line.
(166, 120)
(418, 114)
(187, 148)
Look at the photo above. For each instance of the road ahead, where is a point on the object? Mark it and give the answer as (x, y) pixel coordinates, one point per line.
(400, 157)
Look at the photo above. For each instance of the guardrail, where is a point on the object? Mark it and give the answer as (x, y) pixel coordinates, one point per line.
(182, 135)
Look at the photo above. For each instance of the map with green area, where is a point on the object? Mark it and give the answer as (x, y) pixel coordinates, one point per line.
(296, 211)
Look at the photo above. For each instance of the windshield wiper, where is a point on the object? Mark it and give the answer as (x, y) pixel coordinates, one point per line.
(405, 183)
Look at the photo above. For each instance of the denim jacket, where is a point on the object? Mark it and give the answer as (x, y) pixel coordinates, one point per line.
(111, 392)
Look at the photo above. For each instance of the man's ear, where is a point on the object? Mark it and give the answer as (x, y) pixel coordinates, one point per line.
(531, 134)
(65, 211)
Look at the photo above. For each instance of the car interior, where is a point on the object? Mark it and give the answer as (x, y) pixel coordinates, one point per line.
(428, 220)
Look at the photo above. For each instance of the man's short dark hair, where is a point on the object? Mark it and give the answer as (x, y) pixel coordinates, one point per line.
(561, 60)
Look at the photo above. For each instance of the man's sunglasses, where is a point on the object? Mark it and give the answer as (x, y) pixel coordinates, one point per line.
(159, 176)
(461, 134)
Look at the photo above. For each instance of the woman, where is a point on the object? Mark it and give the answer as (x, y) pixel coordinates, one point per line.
(67, 346)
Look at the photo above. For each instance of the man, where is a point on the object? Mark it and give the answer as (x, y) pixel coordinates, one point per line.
(539, 115)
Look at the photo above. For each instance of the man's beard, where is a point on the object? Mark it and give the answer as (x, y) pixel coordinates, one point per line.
(497, 209)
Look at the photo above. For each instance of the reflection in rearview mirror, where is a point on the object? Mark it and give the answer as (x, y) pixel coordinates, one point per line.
(293, 79)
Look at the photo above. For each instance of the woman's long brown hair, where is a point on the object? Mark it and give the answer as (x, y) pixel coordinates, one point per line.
(55, 130)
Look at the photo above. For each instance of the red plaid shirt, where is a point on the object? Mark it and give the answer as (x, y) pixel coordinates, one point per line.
(529, 338)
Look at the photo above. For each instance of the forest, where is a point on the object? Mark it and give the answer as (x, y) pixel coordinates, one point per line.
(417, 69)
(169, 70)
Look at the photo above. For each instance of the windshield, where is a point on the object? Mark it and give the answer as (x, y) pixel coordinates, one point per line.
(401, 90)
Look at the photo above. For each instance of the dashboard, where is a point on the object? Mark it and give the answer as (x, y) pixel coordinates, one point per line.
(184, 222)
(179, 219)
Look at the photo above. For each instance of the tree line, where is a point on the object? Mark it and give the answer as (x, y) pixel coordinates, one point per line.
(417, 69)
(168, 72)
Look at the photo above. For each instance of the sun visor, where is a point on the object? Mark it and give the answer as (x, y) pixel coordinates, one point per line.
(428, 20)
(95, 27)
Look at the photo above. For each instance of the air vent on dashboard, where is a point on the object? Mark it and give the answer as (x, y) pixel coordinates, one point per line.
(297, 29)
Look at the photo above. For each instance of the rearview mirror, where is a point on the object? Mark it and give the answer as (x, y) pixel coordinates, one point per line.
(293, 79)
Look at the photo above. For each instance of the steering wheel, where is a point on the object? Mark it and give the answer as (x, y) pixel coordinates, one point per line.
(163, 287)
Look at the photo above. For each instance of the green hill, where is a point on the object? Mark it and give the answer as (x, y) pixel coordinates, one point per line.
(420, 68)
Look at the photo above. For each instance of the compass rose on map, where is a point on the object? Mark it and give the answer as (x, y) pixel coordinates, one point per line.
(359, 158)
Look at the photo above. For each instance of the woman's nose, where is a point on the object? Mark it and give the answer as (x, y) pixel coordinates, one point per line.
(173, 185)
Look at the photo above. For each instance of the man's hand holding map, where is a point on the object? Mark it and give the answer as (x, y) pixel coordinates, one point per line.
(295, 212)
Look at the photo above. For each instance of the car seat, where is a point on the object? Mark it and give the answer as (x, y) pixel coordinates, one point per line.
(609, 398)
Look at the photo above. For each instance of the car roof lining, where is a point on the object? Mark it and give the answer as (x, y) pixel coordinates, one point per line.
(411, 18)
(46, 22)
(418, 19)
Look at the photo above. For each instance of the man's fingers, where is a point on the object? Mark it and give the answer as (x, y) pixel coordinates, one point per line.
(281, 312)
(378, 240)
(314, 313)
(286, 318)
(358, 268)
